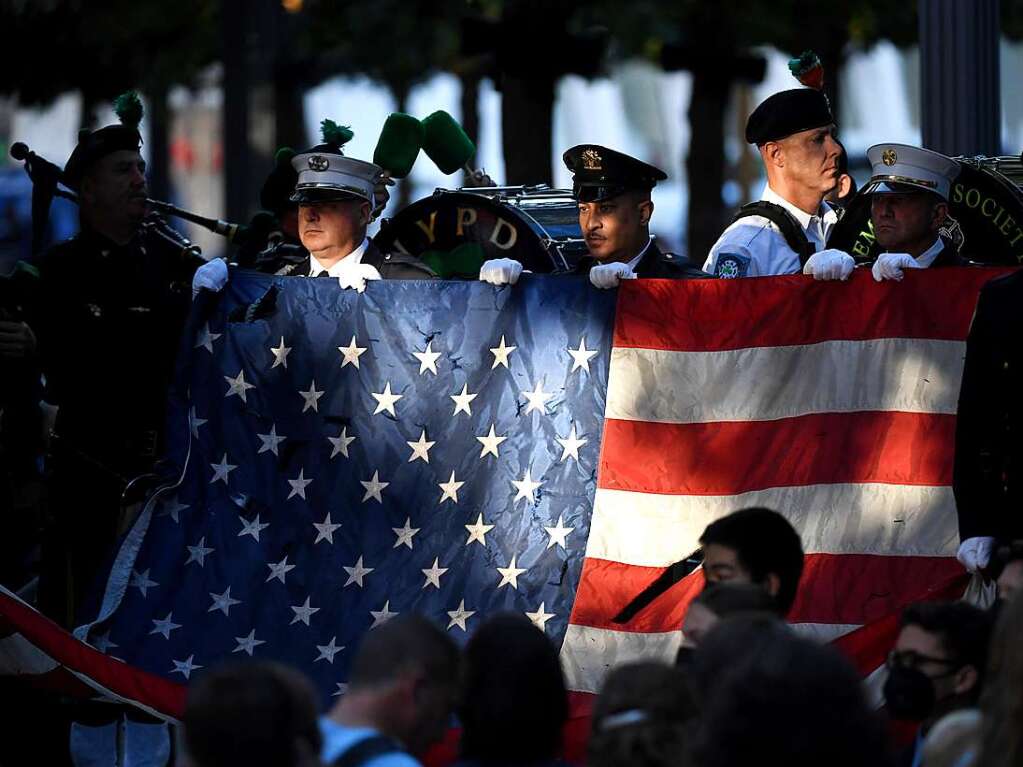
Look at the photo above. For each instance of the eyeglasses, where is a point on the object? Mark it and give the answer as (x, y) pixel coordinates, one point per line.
(913, 659)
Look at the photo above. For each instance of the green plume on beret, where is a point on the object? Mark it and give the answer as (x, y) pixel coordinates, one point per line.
(128, 107)
(339, 135)
(284, 155)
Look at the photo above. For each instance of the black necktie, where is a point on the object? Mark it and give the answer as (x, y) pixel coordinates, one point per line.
(322, 274)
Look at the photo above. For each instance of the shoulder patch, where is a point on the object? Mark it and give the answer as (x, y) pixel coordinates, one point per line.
(731, 265)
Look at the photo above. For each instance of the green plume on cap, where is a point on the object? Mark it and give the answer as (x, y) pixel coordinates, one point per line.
(128, 107)
(332, 133)
(284, 155)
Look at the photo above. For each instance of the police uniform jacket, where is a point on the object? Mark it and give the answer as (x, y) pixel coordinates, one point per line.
(655, 264)
(988, 474)
(754, 246)
(110, 323)
(392, 266)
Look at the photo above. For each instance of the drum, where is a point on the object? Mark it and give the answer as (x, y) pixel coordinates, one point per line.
(455, 231)
(985, 212)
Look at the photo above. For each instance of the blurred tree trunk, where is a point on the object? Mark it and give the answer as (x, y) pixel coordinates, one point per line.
(705, 164)
(288, 89)
(527, 104)
(470, 81)
(238, 191)
(401, 92)
(159, 144)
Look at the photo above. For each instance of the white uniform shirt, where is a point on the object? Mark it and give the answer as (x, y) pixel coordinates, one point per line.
(635, 262)
(754, 246)
(342, 267)
(930, 255)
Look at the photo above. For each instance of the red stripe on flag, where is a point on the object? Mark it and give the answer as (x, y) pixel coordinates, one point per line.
(838, 589)
(121, 679)
(713, 315)
(731, 457)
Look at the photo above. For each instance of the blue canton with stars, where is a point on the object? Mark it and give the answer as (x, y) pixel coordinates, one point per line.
(339, 458)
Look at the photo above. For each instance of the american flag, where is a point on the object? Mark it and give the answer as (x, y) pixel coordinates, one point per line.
(455, 449)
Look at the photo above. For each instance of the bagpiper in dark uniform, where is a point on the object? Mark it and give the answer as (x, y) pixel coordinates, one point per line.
(988, 475)
(114, 303)
(613, 192)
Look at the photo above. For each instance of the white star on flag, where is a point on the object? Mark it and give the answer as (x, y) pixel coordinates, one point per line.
(405, 534)
(270, 441)
(356, 573)
(373, 488)
(280, 354)
(490, 443)
(351, 353)
(223, 602)
(194, 422)
(558, 533)
(526, 487)
(501, 353)
(427, 359)
(341, 442)
(164, 627)
(460, 616)
(238, 386)
(248, 643)
(385, 400)
(253, 527)
(311, 398)
(462, 401)
(298, 485)
(303, 612)
(537, 398)
(581, 356)
(140, 580)
(102, 642)
(449, 489)
(325, 530)
(221, 470)
(171, 507)
(540, 617)
(199, 552)
(510, 575)
(279, 570)
(420, 449)
(383, 615)
(328, 651)
(478, 531)
(206, 339)
(185, 666)
(434, 573)
(342, 688)
(571, 443)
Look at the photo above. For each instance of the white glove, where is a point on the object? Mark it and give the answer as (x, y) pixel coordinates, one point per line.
(830, 264)
(606, 276)
(889, 266)
(357, 277)
(212, 275)
(500, 271)
(975, 553)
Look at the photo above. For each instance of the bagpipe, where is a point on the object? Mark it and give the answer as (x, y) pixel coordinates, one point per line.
(985, 215)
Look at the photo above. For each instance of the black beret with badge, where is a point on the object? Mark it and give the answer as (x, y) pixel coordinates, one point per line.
(95, 145)
(600, 173)
(788, 112)
(326, 175)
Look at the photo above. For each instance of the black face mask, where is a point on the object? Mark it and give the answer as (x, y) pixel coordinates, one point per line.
(909, 694)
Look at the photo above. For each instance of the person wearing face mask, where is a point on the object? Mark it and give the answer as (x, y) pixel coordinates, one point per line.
(937, 665)
(786, 231)
(613, 192)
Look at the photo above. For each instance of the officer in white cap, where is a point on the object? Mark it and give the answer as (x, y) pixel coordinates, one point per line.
(909, 192)
(336, 196)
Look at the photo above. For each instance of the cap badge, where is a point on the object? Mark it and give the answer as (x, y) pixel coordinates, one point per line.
(318, 163)
(592, 160)
(888, 157)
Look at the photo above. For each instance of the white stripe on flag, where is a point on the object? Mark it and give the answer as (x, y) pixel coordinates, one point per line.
(908, 375)
(20, 657)
(653, 530)
(588, 654)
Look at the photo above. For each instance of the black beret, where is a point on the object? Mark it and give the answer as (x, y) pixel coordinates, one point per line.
(600, 173)
(94, 146)
(786, 113)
